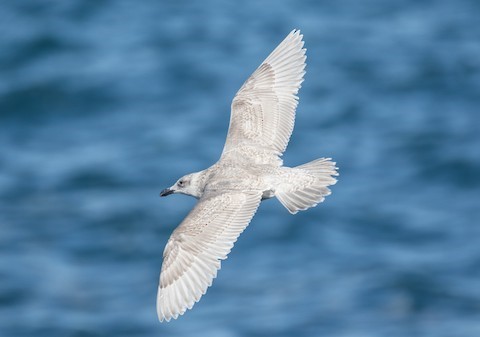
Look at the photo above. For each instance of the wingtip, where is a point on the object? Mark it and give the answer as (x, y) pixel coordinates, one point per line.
(296, 34)
(295, 31)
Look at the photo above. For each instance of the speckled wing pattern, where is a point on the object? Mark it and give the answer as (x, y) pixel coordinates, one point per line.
(193, 253)
(263, 110)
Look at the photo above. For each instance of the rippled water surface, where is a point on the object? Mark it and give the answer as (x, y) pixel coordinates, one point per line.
(105, 103)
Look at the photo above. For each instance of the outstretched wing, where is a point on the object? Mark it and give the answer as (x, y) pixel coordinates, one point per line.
(263, 110)
(194, 251)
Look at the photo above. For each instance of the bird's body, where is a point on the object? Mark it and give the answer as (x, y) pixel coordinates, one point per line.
(249, 170)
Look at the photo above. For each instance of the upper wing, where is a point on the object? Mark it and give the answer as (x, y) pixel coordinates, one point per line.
(263, 110)
(193, 252)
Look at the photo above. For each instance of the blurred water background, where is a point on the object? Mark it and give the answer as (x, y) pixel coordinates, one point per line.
(105, 103)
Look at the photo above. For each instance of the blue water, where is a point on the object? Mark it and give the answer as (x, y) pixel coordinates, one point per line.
(105, 103)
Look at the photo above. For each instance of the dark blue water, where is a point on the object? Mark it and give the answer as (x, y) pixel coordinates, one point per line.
(105, 103)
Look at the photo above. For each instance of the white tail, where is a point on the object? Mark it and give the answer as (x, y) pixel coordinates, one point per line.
(305, 186)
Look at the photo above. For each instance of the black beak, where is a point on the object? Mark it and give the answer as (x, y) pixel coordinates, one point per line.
(166, 192)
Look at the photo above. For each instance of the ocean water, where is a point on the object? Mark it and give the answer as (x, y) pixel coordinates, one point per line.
(105, 103)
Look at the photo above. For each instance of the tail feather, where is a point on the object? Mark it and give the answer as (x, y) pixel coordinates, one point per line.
(306, 185)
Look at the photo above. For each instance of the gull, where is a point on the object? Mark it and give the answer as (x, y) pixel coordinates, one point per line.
(249, 170)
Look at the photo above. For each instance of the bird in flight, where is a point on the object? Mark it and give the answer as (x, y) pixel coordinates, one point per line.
(249, 170)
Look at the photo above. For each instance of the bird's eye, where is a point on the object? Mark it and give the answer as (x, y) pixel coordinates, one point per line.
(181, 183)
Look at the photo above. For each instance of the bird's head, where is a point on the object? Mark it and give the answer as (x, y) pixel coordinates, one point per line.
(190, 184)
